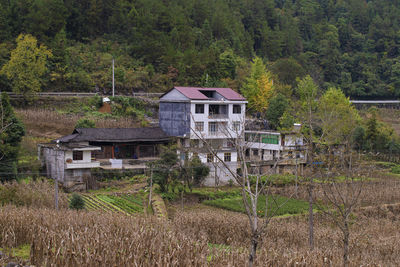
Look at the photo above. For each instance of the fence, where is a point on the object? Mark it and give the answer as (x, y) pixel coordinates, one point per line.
(77, 94)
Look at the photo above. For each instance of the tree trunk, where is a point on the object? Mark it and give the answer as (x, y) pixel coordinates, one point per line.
(310, 216)
(346, 237)
(253, 250)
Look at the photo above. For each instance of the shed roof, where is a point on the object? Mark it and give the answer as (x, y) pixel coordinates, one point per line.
(195, 93)
(115, 135)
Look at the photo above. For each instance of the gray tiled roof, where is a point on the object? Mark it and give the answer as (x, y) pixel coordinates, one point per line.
(115, 135)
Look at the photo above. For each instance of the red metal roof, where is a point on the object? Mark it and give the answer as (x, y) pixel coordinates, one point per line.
(195, 93)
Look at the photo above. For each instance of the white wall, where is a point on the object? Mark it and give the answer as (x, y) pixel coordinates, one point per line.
(293, 140)
(87, 156)
(225, 132)
(203, 156)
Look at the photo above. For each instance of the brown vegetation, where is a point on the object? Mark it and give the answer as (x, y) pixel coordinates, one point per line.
(37, 120)
(391, 117)
(38, 194)
(192, 238)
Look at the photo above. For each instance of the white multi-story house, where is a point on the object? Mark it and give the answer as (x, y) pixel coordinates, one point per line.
(269, 148)
(214, 115)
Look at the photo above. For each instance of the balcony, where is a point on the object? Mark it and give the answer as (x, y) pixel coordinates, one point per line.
(83, 165)
(218, 112)
(218, 116)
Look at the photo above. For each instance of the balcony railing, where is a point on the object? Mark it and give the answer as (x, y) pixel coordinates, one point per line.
(83, 165)
(218, 116)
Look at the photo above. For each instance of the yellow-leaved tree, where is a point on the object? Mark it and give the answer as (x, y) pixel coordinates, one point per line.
(27, 65)
(259, 86)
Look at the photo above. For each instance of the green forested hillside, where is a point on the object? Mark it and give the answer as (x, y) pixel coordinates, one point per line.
(351, 44)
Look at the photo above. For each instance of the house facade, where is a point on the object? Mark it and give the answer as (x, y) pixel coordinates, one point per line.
(213, 115)
(71, 158)
(271, 149)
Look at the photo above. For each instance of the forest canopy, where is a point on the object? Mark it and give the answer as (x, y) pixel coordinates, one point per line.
(352, 45)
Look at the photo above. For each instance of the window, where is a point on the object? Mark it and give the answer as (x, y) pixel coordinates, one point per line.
(196, 143)
(230, 143)
(199, 126)
(270, 139)
(77, 155)
(210, 157)
(290, 154)
(251, 137)
(212, 127)
(236, 126)
(227, 157)
(255, 152)
(237, 109)
(199, 109)
(182, 156)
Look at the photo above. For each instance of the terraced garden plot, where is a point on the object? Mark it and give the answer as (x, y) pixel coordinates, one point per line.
(126, 204)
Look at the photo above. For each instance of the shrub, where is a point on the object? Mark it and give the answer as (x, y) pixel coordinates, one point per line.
(85, 123)
(396, 169)
(76, 202)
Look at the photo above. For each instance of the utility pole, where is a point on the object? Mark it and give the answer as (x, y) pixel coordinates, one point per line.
(151, 185)
(58, 175)
(113, 83)
(56, 193)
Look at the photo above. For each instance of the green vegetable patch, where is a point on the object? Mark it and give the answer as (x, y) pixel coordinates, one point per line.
(277, 205)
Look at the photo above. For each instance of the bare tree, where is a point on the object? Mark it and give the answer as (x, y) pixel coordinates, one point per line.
(342, 195)
(253, 185)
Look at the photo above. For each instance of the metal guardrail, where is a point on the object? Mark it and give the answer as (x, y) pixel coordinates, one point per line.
(148, 94)
(78, 94)
(375, 101)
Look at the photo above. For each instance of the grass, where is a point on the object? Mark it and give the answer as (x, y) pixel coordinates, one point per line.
(212, 193)
(22, 252)
(395, 169)
(278, 205)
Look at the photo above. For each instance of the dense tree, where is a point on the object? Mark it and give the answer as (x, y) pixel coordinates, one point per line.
(276, 108)
(165, 172)
(337, 117)
(353, 45)
(259, 86)
(11, 133)
(26, 65)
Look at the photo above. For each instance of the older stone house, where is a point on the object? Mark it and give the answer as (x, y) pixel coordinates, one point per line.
(71, 158)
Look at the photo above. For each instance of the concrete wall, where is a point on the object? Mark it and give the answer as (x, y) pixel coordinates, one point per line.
(55, 163)
(174, 118)
(225, 131)
(174, 95)
(223, 173)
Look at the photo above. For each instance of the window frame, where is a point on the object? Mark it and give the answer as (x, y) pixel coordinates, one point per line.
(77, 155)
(199, 109)
(237, 109)
(227, 157)
(199, 126)
(212, 125)
(210, 157)
(236, 126)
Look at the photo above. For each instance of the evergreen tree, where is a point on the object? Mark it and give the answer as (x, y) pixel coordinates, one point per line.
(11, 133)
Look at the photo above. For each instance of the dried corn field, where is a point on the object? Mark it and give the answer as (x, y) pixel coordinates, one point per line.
(197, 235)
(36, 119)
(205, 237)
